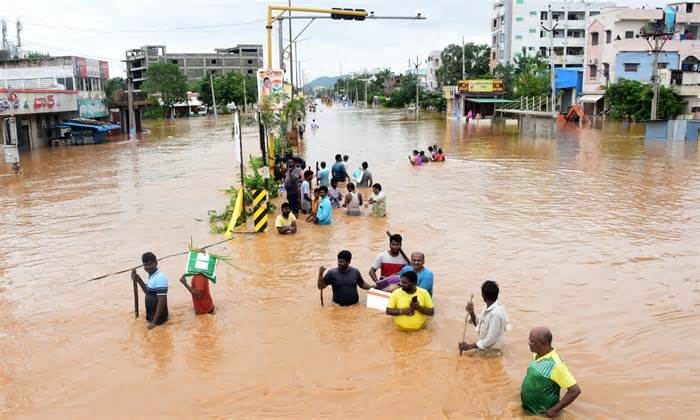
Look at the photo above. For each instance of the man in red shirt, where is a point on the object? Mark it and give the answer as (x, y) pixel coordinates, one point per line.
(201, 299)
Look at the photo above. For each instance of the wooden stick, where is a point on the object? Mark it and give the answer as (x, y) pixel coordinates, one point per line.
(403, 254)
(136, 299)
(466, 322)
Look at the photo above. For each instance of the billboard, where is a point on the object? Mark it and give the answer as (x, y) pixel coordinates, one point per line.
(92, 108)
(88, 67)
(22, 103)
(480, 86)
(269, 82)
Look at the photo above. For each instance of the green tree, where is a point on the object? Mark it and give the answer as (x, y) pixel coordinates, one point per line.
(506, 72)
(167, 80)
(113, 88)
(531, 76)
(36, 55)
(476, 63)
(631, 100)
(228, 87)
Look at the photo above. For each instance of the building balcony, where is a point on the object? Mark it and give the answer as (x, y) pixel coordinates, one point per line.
(574, 59)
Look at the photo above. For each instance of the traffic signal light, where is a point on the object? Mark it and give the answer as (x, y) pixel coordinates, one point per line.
(338, 16)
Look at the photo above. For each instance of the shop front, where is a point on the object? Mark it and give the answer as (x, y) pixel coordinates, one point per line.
(35, 110)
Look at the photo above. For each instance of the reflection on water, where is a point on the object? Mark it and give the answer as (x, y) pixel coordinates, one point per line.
(594, 234)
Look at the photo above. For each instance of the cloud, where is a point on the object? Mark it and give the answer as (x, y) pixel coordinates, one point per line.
(104, 30)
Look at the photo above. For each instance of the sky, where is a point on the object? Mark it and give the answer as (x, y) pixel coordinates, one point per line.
(105, 29)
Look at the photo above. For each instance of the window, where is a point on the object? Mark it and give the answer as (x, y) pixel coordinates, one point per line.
(494, 23)
(173, 61)
(495, 40)
(503, 38)
(69, 83)
(608, 37)
(543, 34)
(629, 34)
(250, 61)
(544, 15)
(213, 72)
(519, 19)
(519, 1)
(518, 37)
(594, 38)
(594, 13)
(250, 71)
(532, 30)
(662, 66)
(578, 51)
(606, 70)
(631, 67)
(533, 13)
(543, 51)
(213, 61)
(593, 71)
(689, 7)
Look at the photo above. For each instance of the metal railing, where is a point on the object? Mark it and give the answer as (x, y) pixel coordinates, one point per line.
(528, 104)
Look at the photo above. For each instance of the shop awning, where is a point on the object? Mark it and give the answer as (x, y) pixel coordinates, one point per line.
(488, 100)
(101, 127)
(590, 98)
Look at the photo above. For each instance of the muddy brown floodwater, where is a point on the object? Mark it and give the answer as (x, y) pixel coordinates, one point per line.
(595, 234)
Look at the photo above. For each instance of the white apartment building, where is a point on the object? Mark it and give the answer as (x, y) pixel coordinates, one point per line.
(516, 28)
(432, 63)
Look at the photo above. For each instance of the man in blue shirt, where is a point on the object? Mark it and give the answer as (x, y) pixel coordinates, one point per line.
(324, 176)
(339, 171)
(425, 276)
(325, 210)
(156, 290)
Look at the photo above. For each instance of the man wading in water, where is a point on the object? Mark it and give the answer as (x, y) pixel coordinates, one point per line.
(156, 290)
(345, 280)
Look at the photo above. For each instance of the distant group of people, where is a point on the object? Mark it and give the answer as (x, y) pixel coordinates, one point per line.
(317, 204)
(435, 154)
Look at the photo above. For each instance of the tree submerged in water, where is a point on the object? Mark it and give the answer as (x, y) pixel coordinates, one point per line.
(631, 100)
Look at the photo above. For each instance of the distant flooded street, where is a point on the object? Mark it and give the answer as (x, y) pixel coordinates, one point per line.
(595, 234)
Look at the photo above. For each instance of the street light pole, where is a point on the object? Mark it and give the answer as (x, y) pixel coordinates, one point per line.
(464, 73)
(213, 98)
(416, 65)
(552, 76)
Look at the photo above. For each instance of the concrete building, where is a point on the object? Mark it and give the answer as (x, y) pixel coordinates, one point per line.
(516, 30)
(243, 58)
(41, 93)
(433, 63)
(614, 52)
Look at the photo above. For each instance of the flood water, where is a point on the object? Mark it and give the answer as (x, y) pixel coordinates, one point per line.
(594, 234)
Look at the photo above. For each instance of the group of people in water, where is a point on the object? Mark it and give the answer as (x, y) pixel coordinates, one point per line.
(435, 154)
(408, 281)
(317, 205)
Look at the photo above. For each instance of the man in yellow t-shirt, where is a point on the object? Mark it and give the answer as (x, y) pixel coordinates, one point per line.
(410, 305)
(286, 222)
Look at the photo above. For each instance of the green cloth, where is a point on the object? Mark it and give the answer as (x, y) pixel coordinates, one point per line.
(201, 263)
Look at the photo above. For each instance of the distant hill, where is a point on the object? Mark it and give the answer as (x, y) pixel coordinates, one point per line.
(324, 81)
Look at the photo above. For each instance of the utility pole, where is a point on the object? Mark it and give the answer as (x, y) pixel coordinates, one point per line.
(551, 60)
(213, 98)
(130, 98)
(416, 65)
(655, 80)
(245, 99)
(19, 37)
(464, 73)
(291, 58)
(660, 37)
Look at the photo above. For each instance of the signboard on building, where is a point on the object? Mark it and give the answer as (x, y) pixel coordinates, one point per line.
(40, 102)
(92, 108)
(269, 82)
(480, 86)
(448, 92)
(88, 67)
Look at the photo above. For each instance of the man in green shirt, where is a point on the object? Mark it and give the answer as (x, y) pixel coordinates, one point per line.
(546, 375)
